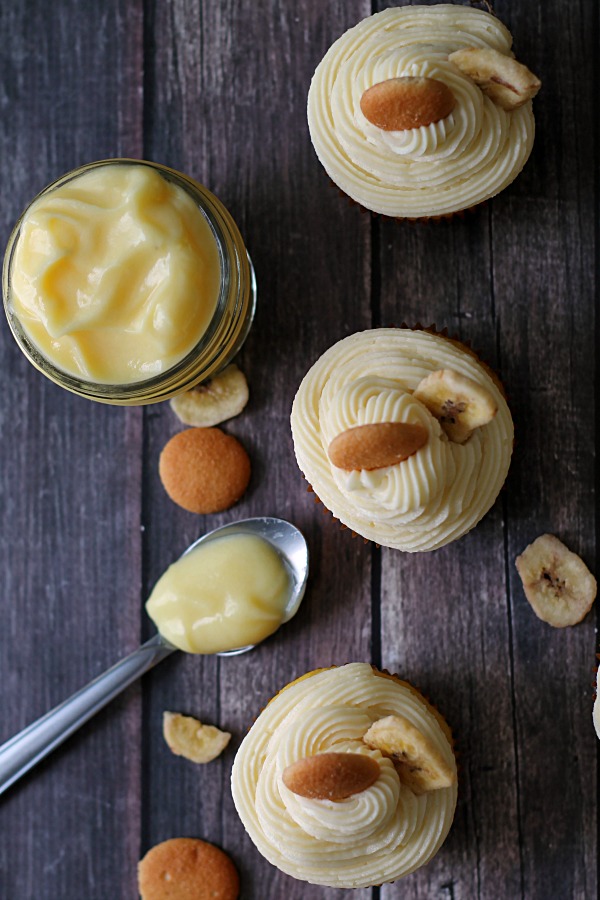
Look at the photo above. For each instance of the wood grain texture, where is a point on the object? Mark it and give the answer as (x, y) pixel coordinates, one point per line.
(241, 93)
(444, 623)
(546, 327)
(70, 488)
(508, 271)
(218, 90)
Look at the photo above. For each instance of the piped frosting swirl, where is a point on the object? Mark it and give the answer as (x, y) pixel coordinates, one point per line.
(437, 169)
(375, 836)
(437, 494)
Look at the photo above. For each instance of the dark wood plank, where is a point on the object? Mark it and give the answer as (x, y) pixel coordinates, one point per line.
(543, 272)
(443, 621)
(240, 92)
(70, 488)
(444, 624)
(463, 630)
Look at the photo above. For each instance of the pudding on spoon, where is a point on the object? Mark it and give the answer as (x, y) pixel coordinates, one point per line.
(21, 752)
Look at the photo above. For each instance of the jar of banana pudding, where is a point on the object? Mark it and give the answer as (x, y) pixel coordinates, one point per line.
(127, 282)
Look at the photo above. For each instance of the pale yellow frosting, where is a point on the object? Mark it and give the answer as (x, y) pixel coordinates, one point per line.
(373, 837)
(453, 164)
(438, 493)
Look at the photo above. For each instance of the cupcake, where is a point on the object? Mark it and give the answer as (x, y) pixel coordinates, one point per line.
(422, 111)
(347, 778)
(404, 435)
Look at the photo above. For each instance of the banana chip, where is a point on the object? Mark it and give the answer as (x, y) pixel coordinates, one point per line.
(419, 764)
(507, 82)
(557, 583)
(213, 401)
(188, 737)
(460, 404)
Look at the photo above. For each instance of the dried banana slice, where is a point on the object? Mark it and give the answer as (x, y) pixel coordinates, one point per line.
(507, 82)
(419, 764)
(213, 401)
(557, 583)
(188, 737)
(460, 404)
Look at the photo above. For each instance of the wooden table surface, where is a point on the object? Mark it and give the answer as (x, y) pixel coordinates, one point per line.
(218, 90)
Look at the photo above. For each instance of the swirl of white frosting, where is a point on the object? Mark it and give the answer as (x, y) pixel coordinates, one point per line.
(441, 168)
(437, 494)
(372, 837)
(403, 490)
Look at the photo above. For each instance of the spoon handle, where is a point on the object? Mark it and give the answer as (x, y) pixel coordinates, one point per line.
(28, 747)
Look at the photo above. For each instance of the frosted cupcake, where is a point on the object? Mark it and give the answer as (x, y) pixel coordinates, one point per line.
(422, 111)
(405, 436)
(347, 778)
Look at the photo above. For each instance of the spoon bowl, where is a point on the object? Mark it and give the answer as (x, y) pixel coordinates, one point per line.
(21, 752)
(289, 543)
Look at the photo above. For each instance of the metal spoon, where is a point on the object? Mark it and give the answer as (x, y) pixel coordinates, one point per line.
(24, 750)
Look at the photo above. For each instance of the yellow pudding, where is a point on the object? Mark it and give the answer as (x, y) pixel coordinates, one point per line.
(376, 835)
(227, 593)
(472, 152)
(436, 494)
(128, 282)
(116, 274)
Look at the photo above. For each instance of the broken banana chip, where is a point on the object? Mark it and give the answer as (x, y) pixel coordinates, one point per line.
(418, 763)
(507, 82)
(213, 401)
(188, 737)
(459, 403)
(558, 584)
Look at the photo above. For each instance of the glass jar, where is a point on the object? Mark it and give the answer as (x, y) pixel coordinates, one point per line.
(220, 341)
